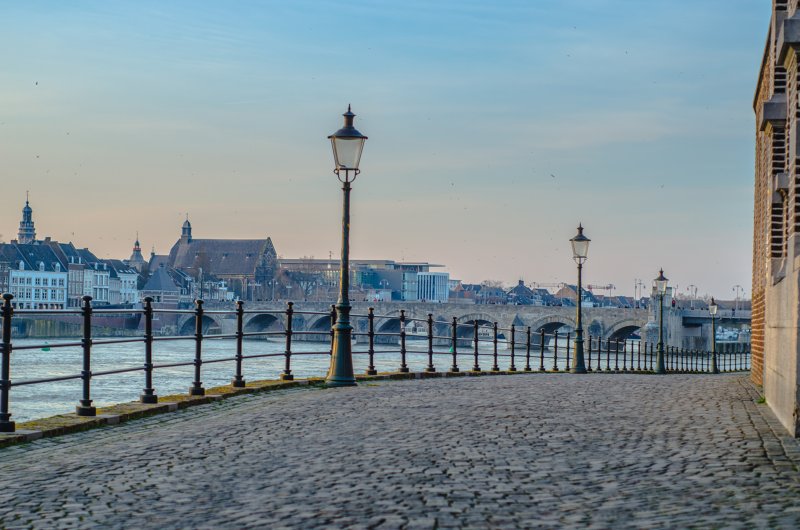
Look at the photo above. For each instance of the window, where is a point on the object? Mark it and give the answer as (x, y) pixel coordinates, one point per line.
(38, 281)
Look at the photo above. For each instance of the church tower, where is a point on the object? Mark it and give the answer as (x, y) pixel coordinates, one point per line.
(137, 260)
(186, 231)
(27, 232)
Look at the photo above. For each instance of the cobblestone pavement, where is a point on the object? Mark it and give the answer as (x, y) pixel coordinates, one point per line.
(604, 451)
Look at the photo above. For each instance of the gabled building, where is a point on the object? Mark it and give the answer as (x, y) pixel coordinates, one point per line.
(38, 279)
(245, 265)
(122, 283)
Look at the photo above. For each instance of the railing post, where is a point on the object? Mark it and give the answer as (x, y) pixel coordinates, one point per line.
(625, 356)
(495, 366)
(85, 407)
(238, 381)
(454, 367)
(197, 386)
(148, 394)
(639, 356)
(333, 323)
(6, 425)
(430, 368)
(476, 367)
(589, 350)
(512, 367)
(616, 355)
(555, 351)
(568, 344)
(528, 349)
(403, 366)
(287, 367)
(541, 351)
(371, 335)
(608, 355)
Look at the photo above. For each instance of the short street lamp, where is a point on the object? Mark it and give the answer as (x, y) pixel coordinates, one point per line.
(713, 308)
(347, 145)
(580, 250)
(660, 285)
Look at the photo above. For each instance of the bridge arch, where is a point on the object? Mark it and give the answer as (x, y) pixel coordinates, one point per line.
(264, 322)
(623, 329)
(484, 321)
(211, 325)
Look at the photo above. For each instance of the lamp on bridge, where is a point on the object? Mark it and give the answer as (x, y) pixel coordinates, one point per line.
(660, 285)
(347, 145)
(712, 309)
(580, 251)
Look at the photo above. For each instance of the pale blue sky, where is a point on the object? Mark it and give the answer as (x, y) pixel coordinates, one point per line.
(494, 128)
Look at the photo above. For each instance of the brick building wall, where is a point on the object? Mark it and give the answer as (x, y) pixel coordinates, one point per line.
(776, 222)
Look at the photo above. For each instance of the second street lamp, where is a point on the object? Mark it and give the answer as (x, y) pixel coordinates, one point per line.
(580, 250)
(660, 285)
(347, 145)
(712, 308)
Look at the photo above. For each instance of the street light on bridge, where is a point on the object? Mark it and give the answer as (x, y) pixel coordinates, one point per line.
(712, 308)
(660, 285)
(347, 145)
(580, 251)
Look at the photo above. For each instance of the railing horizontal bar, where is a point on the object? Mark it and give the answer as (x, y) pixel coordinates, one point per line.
(219, 311)
(48, 380)
(117, 341)
(211, 361)
(119, 371)
(173, 365)
(325, 332)
(100, 311)
(264, 312)
(47, 312)
(40, 346)
(320, 313)
(260, 355)
(175, 311)
(262, 333)
(174, 337)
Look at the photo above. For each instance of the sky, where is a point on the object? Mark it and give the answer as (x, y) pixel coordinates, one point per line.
(494, 129)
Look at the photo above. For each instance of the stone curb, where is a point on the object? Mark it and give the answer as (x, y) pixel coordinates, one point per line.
(123, 412)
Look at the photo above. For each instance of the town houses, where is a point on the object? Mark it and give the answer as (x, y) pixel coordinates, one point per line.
(45, 274)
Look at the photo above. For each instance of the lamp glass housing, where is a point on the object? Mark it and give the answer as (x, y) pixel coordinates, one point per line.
(580, 246)
(347, 151)
(661, 282)
(713, 307)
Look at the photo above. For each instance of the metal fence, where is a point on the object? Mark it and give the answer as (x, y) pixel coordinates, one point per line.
(523, 349)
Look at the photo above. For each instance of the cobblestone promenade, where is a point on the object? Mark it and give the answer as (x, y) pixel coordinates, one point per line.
(604, 451)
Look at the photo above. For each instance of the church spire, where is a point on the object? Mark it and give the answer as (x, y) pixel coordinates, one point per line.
(27, 231)
(186, 231)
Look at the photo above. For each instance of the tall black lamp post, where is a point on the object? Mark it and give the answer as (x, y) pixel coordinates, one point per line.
(347, 145)
(660, 285)
(580, 250)
(712, 308)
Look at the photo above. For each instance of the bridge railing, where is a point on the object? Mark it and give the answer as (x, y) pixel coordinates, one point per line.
(473, 344)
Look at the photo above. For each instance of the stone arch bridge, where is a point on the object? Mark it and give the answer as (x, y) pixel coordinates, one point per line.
(312, 317)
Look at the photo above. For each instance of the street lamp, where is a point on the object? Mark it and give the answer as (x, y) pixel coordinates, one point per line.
(580, 250)
(660, 285)
(712, 308)
(737, 289)
(347, 145)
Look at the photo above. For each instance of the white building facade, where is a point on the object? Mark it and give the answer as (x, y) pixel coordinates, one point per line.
(433, 286)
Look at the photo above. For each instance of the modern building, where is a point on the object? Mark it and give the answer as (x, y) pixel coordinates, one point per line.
(433, 286)
(776, 224)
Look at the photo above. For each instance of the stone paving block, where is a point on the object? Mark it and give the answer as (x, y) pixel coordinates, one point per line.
(594, 451)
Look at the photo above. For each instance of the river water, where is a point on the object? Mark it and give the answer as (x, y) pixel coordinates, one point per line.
(47, 399)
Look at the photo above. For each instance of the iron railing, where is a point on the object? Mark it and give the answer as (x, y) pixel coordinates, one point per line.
(538, 350)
